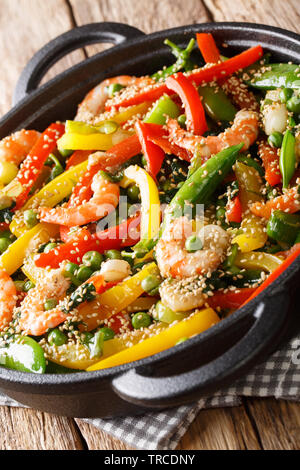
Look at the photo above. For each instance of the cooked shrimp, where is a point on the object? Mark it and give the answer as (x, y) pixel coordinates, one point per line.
(182, 295)
(174, 260)
(15, 147)
(34, 319)
(104, 200)
(244, 129)
(8, 299)
(240, 94)
(94, 101)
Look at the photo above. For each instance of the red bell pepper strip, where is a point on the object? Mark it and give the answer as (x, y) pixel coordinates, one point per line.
(270, 158)
(274, 275)
(170, 148)
(34, 162)
(199, 76)
(231, 299)
(153, 154)
(234, 210)
(81, 242)
(160, 136)
(77, 157)
(208, 48)
(195, 115)
(115, 156)
(125, 234)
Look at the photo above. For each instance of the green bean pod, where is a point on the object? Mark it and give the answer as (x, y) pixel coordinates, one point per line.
(275, 76)
(287, 161)
(203, 182)
(217, 104)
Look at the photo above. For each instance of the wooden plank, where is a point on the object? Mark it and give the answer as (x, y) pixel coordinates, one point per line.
(26, 26)
(277, 422)
(221, 429)
(149, 16)
(272, 12)
(23, 429)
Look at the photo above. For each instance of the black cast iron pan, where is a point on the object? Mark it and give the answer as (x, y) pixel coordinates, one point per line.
(204, 363)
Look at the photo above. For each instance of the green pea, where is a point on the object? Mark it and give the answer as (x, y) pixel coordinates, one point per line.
(113, 254)
(19, 285)
(84, 273)
(182, 120)
(285, 94)
(108, 333)
(141, 320)
(181, 340)
(30, 218)
(66, 153)
(275, 139)
(50, 304)
(4, 244)
(28, 285)
(149, 283)
(70, 272)
(92, 259)
(49, 247)
(114, 88)
(293, 104)
(71, 268)
(193, 243)
(133, 193)
(57, 337)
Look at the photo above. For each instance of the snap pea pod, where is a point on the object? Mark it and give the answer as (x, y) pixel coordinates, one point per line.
(275, 76)
(217, 104)
(283, 227)
(183, 60)
(202, 183)
(287, 161)
(164, 107)
(251, 162)
(24, 354)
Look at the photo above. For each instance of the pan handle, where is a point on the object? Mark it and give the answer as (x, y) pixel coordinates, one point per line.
(42, 61)
(143, 390)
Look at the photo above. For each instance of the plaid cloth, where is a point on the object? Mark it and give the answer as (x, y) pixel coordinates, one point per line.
(278, 377)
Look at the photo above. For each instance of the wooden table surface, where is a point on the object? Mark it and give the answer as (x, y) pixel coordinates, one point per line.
(25, 26)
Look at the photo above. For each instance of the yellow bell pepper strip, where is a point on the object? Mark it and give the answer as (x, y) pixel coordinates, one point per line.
(193, 325)
(49, 195)
(258, 260)
(116, 299)
(139, 109)
(32, 271)
(77, 356)
(254, 233)
(150, 220)
(13, 258)
(97, 141)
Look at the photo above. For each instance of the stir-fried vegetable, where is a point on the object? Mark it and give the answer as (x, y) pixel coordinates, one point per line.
(166, 198)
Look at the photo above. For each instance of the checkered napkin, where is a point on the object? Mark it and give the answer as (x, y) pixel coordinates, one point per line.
(278, 377)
